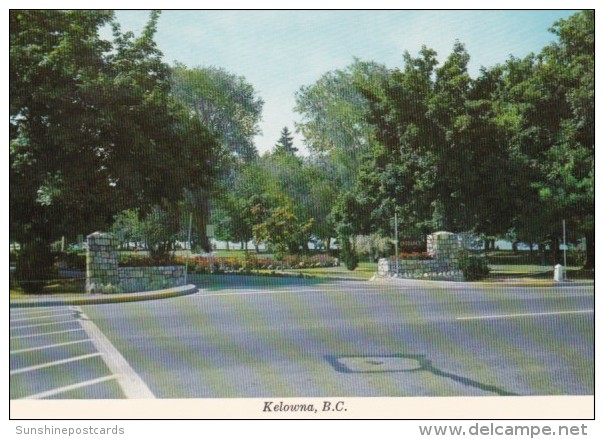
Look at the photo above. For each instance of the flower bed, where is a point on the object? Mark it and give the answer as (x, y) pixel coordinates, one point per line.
(413, 256)
(204, 265)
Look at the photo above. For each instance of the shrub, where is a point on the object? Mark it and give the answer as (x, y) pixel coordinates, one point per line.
(472, 266)
(35, 266)
(349, 254)
(71, 261)
(575, 257)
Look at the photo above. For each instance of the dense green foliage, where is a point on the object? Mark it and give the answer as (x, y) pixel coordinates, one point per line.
(509, 153)
(472, 266)
(105, 133)
(94, 129)
(285, 144)
(349, 254)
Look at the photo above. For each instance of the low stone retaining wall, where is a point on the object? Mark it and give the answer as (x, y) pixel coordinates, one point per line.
(431, 269)
(136, 279)
(442, 246)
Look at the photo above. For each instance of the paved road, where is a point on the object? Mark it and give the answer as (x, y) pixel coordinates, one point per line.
(266, 337)
(260, 337)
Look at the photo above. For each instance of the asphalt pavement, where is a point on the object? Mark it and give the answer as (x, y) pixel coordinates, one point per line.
(264, 337)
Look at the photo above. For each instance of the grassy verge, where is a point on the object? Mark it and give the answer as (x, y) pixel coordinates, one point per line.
(364, 271)
(59, 287)
(531, 271)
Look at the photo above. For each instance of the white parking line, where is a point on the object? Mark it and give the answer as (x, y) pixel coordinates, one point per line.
(41, 334)
(41, 317)
(30, 311)
(70, 387)
(43, 324)
(131, 384)
(53, 363)
(49, 346)
(506, 316)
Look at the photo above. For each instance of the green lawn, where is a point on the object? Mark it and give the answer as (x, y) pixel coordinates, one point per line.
(364, 271)
(240, 254)
(59, 287)
(529, 271)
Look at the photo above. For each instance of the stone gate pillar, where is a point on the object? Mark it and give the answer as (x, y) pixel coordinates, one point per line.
(101, 263)
(443, 245)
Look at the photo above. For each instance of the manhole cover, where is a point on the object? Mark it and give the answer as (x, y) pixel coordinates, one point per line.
(378, 364)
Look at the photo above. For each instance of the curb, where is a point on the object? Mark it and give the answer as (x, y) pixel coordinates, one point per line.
(510, 283)
(549, 284)
(97, 299)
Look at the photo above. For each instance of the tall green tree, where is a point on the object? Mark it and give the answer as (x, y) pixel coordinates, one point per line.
(226, 103)
(93, 127)
(285, 144)
(567, 71)
(399, 172)
(548, 101)
(229, 106)
(334, 114)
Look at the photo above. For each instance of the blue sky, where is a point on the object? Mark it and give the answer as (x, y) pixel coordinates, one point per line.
(279, 51)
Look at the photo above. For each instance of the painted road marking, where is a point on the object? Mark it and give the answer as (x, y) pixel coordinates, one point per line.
(29, 311)
(70, 387)
(535, 314)
(41, 317)
(43, 324)
(46, 333)
(49, 346)
(54, 363)
(131, 384)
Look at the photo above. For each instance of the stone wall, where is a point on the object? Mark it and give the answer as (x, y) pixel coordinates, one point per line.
(103, 275)
(133, 279)
(442, 246)
(431, 269)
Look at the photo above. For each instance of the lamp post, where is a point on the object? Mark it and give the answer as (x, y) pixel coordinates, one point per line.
(188, 239)
(564, 244)
(396, 240)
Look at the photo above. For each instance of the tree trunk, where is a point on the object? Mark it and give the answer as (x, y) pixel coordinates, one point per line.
(515, 247)
(590, 250)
